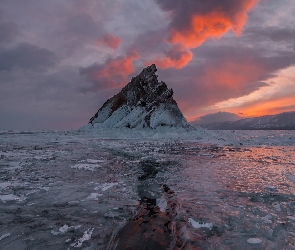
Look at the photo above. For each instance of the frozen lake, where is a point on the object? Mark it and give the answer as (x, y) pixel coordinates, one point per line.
(156, 190)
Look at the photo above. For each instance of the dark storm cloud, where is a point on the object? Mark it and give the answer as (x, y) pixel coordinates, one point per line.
(193, 22)
(34, 100)
(274, 33)
(8, 31)
(184, 10)
(26, 56)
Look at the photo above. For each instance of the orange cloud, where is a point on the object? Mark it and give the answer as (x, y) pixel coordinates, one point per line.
(195, 21)
(176, 57)
(269, 107)
(232, 75)
(117, 68)
(213, 24)
(109, 40)
(114, 73)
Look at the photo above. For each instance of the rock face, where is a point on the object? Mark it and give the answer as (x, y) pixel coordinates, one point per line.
(142, 103)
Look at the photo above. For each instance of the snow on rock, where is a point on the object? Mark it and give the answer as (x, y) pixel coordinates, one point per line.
(196, 224)
(144, 102)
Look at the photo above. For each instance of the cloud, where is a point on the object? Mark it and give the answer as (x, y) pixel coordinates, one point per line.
(8, 31)
(274, 33)
(193, 22)
(221, 73)
(109, 40)
(176, 57)
(268, 107)
(26, 56)
(114, 73)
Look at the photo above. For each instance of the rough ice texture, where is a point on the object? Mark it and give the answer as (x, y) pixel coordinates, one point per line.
(144, 102)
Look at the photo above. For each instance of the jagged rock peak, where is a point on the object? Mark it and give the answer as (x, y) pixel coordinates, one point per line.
(143, 102)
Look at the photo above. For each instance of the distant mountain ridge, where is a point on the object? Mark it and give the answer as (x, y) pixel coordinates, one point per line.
(282, 121)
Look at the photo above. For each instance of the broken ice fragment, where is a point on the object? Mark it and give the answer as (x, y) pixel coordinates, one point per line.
(106, 186)
(86, 236)
(94, 196)
(196, 224)
(4, 236)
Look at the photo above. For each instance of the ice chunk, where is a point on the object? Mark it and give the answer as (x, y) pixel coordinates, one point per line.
(162, 204)
(267, 218)
(291, 218)
(254, 240)
(86, 236)
(196, 224)
(95, 161)
(64, 228)
(4, 236)
(94, 196)
(5, 184)
(89, 167)
(277, 206)
(10, 197)
(106, 186)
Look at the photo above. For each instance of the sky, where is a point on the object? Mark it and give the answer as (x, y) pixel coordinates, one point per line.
(61, 60)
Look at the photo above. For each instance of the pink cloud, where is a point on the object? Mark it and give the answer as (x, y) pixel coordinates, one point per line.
(109, 40)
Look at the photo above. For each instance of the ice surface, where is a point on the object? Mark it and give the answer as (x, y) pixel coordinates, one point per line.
(214, 189)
